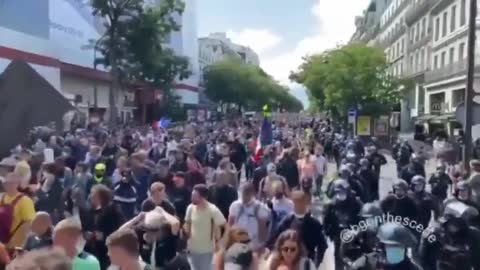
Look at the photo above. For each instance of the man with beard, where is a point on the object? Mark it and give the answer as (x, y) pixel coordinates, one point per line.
(439, 182)
(450, 243)
(398, 203)
(340, 214)
(415, 167)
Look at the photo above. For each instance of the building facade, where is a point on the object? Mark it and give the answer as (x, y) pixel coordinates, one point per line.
(53, 36)
(210, 54)
(426, 41)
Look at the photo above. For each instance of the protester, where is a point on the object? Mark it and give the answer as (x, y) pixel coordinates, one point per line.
(158, 197)
(203, 221)
(124, 251)
(16, 215)
(45, 259)
(42, 229)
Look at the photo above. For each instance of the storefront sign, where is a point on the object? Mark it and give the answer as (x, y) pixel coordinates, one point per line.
(363, 126)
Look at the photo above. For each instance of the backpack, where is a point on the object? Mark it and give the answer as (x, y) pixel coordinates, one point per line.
(6, 217)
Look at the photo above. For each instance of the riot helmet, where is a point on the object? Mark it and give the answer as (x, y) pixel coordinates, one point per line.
(418, 183)
(338, 189)
(400, 188)
(395, 239)
(456, 216)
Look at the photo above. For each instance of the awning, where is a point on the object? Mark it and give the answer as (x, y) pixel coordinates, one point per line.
(443, 117)
(425, 117)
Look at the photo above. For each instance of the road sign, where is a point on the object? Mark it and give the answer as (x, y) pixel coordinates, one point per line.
(352, 115)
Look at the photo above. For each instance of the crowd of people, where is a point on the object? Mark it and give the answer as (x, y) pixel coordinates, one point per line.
(210, 196)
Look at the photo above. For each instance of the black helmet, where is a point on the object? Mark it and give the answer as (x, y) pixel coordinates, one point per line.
(395, 234)
(458, 209)
(370, 210)
(400, 184)
(418, 179)
(364, 162)
(338, 185)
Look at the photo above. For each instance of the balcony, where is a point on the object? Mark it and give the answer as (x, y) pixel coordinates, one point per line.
(394, 37)
(371, 33)
(419, 43)
(451, 70)
(440, 5)
(395, 14)
(417, 10)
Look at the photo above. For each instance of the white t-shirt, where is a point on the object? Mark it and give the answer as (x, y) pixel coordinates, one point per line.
(321, 165)
(283, 206)
(246, 218)
(201, 234)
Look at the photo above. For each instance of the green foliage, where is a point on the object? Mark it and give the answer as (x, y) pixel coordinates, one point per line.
(233, 82)
(350, 76)
(134, 43)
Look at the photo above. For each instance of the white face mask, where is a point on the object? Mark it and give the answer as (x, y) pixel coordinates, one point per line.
(341, 197)
(299, 215)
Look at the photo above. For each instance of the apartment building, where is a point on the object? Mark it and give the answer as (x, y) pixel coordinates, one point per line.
(426, 41)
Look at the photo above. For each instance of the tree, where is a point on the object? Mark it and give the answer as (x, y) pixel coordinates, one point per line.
(248, 87)
(132, 45)
(351, 76)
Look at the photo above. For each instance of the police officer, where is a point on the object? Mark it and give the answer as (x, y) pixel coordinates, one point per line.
(395, 239)
(451, 243)
(415, 167)
(376, 161)
(402, 153)
(369, 180)
(398, 203)
(340, 214)
(439, 181)
(345, 174)
(364, 238)
(463, 193)
(425, 202)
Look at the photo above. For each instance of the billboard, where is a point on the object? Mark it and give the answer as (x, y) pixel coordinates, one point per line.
(26, 16)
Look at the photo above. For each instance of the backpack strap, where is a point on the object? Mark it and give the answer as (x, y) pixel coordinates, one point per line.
(12, 204)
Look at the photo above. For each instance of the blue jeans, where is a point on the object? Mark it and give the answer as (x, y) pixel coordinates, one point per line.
(200, 261)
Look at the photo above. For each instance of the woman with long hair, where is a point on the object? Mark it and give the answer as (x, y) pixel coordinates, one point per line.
(289, 253)
(233, 236)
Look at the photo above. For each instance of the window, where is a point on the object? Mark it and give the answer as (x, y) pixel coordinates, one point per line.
(424, 26)
(435, 62)
(411, 61)
(463, 13)
(411, 36)
(416, 61)
(442, 59)
(452, 54)
(422, 59)
(416, 32)
(401, 67)
(402, 44)
(444, 24)
(453, 18)
(398, 49)
(437, 28)
(461, 51)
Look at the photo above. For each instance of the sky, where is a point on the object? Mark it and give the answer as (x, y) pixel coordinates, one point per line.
(282, 31)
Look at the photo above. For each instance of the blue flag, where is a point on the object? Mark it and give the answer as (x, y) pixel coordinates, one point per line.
(164, 123)
(266, 133)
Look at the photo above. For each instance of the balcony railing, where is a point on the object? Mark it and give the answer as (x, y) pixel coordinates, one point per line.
(394, 37)
(393, 16)
(451, 70)
(417, 10)
(419, 43)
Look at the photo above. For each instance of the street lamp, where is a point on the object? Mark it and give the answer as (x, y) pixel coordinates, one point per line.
(469, 94)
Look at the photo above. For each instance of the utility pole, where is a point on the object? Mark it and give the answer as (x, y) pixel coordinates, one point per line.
(469, 94)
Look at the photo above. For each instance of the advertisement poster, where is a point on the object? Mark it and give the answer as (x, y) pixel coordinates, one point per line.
(363, 126)
(381, 126)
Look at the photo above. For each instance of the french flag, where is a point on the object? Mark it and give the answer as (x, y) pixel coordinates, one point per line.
(265, 138)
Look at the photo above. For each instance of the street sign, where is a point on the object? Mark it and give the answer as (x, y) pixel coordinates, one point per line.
(352, 115)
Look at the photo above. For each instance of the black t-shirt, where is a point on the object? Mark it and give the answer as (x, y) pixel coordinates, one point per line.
(180, 197)
(223, 197)
(149, 205)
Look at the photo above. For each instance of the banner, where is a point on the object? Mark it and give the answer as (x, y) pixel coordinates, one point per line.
(363, 126)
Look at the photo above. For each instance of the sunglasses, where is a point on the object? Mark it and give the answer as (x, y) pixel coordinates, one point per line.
(289, 249)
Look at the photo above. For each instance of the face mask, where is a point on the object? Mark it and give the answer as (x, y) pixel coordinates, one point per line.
(394, 255)
(299, 216)
(80, 245)
(341, 197)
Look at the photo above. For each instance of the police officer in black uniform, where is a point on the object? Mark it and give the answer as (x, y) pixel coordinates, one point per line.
(342, 212)
(395, 239)
(426, 203)
(398, 203)
(451, 243)
(364, 237)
